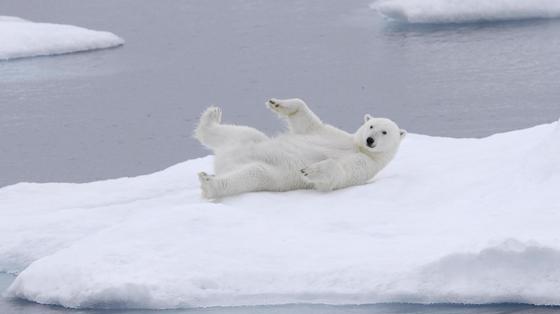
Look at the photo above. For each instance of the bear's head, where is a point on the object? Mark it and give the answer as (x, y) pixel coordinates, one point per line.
(378, 135)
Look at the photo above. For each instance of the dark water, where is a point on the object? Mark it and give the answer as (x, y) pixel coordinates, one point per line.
(130, 110)
(17, 306)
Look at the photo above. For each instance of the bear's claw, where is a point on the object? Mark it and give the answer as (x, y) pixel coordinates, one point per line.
(211, 115)
(273, 103)
(206, 186)
(283, 107)
(203, 176)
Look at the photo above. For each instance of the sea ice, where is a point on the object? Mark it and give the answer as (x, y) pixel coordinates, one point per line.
(449, 220)
(20, 38)
(464, 11)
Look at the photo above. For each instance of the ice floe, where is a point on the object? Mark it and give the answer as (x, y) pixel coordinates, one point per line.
(20, 38)
(465, 11)
(449, 220)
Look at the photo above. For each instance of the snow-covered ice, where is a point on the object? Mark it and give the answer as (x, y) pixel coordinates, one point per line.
(449, 220)
(20, 38)
(464, 11)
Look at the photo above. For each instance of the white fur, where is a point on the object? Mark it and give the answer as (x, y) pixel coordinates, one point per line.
(311, 155)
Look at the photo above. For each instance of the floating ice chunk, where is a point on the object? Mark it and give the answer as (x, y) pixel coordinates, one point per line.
(20, 38)
(430, 228)
(465, 11)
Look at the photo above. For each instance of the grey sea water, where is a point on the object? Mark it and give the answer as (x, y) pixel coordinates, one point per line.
(130, 110)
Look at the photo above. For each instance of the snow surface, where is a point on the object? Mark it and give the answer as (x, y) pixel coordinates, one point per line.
(20, 38)
(449, 220)
(464, 11)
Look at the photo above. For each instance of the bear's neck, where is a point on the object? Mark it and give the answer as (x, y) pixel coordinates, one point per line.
(380, 158)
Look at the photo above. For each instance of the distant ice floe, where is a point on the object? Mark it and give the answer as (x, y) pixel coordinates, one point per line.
(466, 11)
(449, 220)
(20, 38)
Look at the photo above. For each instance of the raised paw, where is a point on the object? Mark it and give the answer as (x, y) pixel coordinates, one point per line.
(284, 107)
(212, 115)
(273, 103)
(208, 190)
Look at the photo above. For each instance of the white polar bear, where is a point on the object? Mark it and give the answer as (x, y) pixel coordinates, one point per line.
(311, 155)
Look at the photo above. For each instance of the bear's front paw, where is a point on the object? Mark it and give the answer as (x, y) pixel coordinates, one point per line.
(208, 190)
(282, 107)
(320, 178)
(313, 173)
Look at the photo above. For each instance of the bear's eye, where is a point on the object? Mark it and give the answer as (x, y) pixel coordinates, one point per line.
(384, 132)
(371, 126)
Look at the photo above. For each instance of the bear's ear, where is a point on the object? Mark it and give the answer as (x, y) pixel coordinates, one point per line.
(403, 133)
(367, 117)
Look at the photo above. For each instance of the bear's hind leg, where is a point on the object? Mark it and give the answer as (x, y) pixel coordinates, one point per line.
(214, 135)
(209, 120)
(248, 178)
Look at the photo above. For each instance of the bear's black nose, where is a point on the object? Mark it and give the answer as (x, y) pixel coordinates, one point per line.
(370, 141)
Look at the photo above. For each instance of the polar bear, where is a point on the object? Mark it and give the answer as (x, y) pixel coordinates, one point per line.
(310, 155)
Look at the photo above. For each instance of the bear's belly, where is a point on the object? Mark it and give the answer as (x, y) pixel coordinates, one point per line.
(285, 153)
